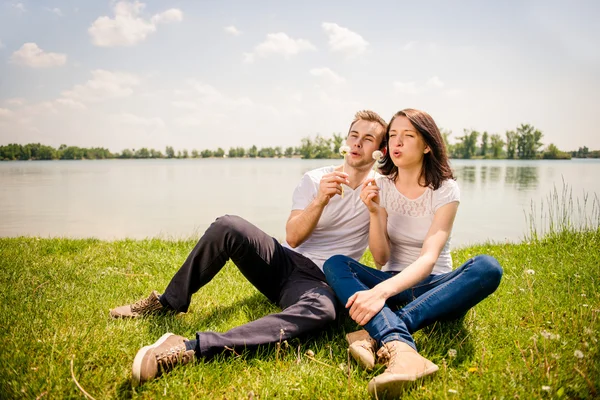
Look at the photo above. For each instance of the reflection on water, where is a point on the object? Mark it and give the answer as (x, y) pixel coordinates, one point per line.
(521, 177)
(179, 198)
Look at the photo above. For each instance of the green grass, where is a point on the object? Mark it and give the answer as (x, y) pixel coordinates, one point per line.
(55, 295)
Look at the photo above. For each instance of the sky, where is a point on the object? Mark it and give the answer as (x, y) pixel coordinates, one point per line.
(208, 74)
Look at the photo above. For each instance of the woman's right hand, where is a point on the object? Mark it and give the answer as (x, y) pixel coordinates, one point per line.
(370, 195)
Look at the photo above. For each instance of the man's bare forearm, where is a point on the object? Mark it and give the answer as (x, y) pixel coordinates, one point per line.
(302, 223)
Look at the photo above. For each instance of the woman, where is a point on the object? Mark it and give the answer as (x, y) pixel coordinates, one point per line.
(412, 209)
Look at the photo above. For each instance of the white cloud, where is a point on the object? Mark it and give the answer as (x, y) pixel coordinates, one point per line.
(56, 11)
(19, 6)
(232, 30)
(344, 40)
(71, 103)
(136, 120)
(5, 112)
(16, 101)
(435, 82)
(32, 56)
(127, 28)
(406, 87)
(280, 43)
(171, 15)
(327, 74)
(103, 85)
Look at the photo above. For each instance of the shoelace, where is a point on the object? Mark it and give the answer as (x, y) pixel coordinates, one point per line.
(146, 305)
(170, 358)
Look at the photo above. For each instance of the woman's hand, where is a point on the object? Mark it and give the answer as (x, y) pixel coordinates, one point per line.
(364, 305)
(370, 195)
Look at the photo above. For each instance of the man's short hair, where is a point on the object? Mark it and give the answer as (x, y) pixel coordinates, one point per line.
(371, 116)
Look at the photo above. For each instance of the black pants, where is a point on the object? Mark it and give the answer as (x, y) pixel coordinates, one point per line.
(287, 278)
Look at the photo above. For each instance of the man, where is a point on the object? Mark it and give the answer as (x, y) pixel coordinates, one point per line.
(325, 220)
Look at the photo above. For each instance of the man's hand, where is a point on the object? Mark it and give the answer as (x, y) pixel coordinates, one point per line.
(370, 195)
(330, 185)
(364, 305)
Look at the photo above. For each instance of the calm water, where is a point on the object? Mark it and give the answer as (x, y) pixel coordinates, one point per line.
(114, 199)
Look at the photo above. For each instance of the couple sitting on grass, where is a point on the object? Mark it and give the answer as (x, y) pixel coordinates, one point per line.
(404, 215)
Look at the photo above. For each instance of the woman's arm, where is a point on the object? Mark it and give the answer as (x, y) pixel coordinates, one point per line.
(365, 304)
(379, 242)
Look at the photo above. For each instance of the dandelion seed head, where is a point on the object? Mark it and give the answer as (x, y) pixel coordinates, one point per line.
(451, 353)
(546, 388)
(310, 353)
(578, 354)
(452, 391)
(344, 150)
(377, 155)
(530, 272)
(549, 335)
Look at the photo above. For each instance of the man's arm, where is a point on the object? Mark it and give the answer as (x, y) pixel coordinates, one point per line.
(302, 223)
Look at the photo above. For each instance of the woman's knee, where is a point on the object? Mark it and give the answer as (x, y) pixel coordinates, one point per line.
(335, 264)
(490, 270)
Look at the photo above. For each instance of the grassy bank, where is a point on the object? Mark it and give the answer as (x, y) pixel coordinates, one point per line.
(536, 337)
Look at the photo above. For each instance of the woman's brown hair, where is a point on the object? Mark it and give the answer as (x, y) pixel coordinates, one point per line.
(436, 168)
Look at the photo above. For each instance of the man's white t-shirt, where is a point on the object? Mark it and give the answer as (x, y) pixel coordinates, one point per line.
(409, 221)
(344, 224)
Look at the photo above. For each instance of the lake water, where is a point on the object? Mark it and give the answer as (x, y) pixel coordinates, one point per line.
(114, 199)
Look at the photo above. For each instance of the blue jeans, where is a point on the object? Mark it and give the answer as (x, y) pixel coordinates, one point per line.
(440, 297)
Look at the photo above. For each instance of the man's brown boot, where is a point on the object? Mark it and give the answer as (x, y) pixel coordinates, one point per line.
(404, 365)
(160, 357)
(362, 348)
(147, 306)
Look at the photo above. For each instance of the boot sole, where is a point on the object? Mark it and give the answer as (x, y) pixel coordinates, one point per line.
(360, 357)
(136, 371)
(395, 387)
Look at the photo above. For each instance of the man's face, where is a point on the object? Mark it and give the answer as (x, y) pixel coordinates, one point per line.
(363, 139)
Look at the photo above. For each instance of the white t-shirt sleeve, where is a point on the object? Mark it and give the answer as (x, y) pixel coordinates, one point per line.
(448, 192)
(381, 182)
(304, 193)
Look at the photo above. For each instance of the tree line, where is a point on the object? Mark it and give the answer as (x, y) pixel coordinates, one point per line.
(525, 142)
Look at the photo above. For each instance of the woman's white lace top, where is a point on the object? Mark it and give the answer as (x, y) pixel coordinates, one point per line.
(409, 221)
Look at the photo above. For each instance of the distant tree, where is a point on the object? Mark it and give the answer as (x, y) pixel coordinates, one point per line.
(126, 153)
(289, 151)
(496, 145)
(241, 152)
(169, 152)
(582, 152)
(155, 154)
(195, 153)
(553, 153)
(446, 138)
(142, 153)
(266, 152)
(185, 154)
(338, 141)
(252, 152)
(511, 144)
(206, 153)
(232, 152)
(219, 153)
(307, 148)
(178, 153)
(467, 144)
(484, 144)
(528, 141)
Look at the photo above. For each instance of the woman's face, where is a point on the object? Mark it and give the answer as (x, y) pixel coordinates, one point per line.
(407, 147)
